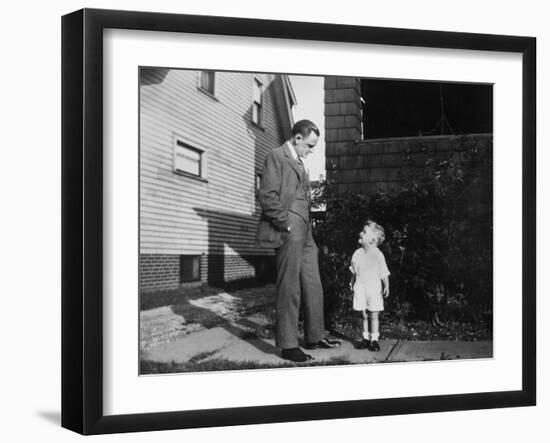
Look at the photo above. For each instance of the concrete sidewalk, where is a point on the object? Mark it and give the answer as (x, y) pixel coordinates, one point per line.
(220, 343)
(218, 326)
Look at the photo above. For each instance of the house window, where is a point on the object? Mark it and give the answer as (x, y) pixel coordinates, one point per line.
(207, 80)
(190, 268)
(188, 159)
(258, 183)
(257, 103)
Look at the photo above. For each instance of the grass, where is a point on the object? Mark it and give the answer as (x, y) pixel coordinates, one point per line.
(200, 364)
(415, 330)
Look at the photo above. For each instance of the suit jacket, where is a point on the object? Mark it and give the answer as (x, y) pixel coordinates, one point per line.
(280, 181)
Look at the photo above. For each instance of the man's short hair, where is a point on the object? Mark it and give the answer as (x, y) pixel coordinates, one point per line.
(304, 128)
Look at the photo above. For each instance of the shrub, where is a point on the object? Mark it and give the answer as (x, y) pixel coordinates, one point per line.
(439, 232)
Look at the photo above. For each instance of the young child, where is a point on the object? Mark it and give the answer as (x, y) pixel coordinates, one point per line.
(369, 282)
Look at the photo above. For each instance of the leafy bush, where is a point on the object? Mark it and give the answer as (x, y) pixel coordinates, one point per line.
(439, 231)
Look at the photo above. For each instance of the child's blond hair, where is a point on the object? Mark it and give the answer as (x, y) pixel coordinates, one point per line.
(377, 229)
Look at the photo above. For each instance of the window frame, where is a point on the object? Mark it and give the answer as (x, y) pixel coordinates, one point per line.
(179, 142)
(261, 103)
(202, 88)
(191, 257)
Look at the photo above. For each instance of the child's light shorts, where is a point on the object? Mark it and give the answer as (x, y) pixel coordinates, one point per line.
(367, 298)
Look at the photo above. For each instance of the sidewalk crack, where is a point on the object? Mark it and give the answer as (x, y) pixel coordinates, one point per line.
(391, 350)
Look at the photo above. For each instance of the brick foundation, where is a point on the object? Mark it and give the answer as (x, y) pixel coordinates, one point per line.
(162, 271)
(158, 271)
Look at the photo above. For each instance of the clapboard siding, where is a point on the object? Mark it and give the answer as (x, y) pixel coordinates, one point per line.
(183, 215)
(162, 190)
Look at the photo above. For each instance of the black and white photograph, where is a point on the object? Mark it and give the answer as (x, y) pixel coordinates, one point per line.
(275, 221)
(291, 221)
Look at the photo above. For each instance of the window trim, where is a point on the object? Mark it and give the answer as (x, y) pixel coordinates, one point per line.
(178, 141)
(200, 87)
(260, 122)
(257, 185)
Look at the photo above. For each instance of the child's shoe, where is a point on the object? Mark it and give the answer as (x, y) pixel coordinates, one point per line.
(374, 346)
(364, 344)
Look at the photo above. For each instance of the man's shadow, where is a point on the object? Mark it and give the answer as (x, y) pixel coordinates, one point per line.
(221, 236)
(189, 304)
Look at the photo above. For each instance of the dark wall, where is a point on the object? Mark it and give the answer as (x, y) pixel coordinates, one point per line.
(373, 166)
(396, 108)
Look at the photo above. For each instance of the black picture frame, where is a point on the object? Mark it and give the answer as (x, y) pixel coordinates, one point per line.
(82, 218)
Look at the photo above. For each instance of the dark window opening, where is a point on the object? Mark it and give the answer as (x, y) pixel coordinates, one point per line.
(207, 81)
(190, 269)
(257, 103)
(398, 108)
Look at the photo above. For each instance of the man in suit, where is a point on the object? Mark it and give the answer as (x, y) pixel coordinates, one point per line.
(285, 225)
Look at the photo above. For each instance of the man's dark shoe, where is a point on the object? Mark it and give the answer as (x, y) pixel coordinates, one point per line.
(364, 344)
(295, 355)
(323, 344)
(374, 346)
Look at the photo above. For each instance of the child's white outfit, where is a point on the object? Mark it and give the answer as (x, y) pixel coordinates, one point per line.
(369, 267)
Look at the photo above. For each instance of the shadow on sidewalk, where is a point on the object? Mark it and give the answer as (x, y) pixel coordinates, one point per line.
(209, 307)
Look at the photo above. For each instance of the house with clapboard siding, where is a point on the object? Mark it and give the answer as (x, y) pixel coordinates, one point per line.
(204, 137)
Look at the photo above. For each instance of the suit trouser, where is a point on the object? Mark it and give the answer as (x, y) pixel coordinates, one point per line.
(298, 281)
